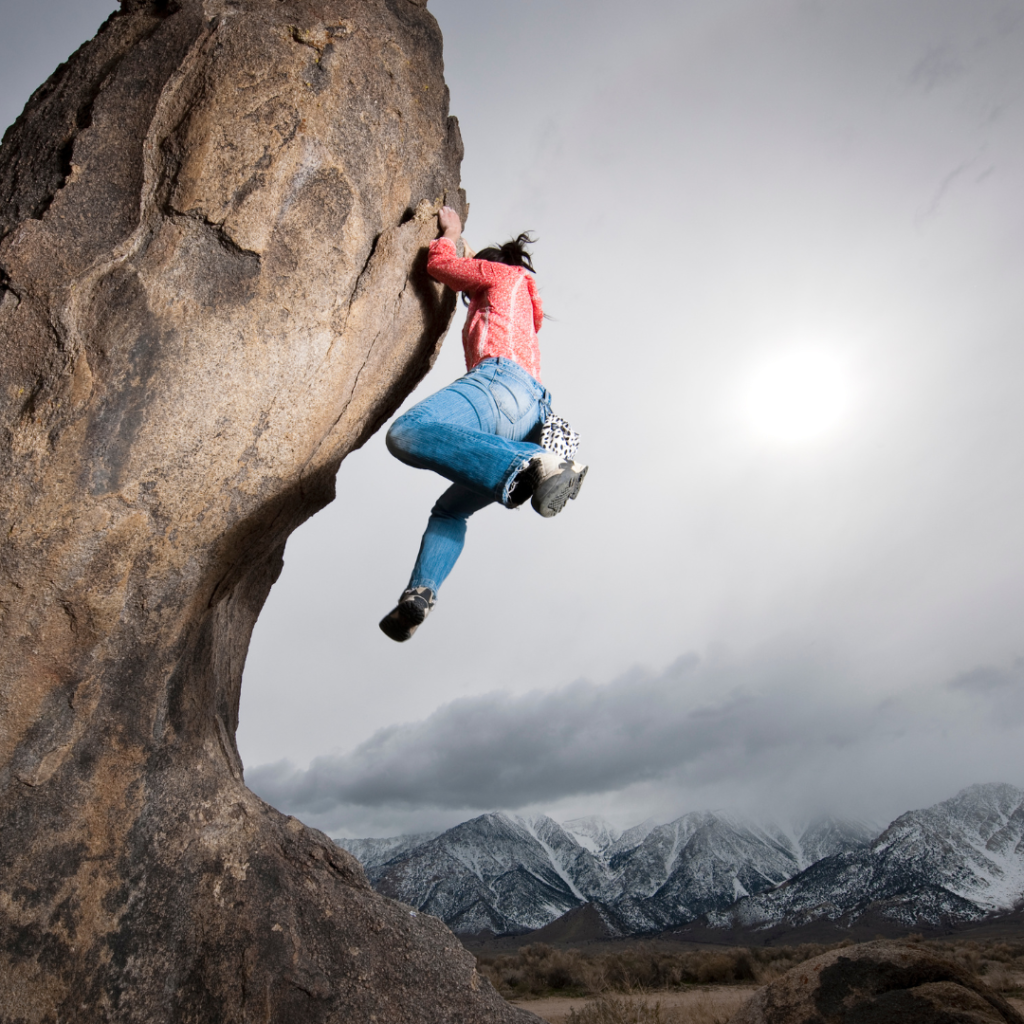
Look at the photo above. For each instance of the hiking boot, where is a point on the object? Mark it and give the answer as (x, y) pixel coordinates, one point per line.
(404, 619)
(549, 481)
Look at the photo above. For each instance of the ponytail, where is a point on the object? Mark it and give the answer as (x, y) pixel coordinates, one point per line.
(513, 254)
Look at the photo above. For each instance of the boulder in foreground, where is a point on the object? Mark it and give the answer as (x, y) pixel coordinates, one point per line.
(878, 983)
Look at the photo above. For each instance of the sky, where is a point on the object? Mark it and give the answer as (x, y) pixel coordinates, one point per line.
(782, 245)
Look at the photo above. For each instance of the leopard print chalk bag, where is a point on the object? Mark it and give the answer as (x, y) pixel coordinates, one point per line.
(558, 437)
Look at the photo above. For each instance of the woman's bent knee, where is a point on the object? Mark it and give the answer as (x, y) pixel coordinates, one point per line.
(398, 438)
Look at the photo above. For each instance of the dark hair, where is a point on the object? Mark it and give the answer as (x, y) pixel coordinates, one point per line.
(513, 253)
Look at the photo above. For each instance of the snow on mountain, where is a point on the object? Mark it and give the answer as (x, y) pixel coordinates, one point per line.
(592, 833)
(506, 873)
(496, 872)
(705, 861)
(955, 862)
(631, 838)
(825, 836)
(373, 852)
(576, 865)
(711, 862)
(700, 863)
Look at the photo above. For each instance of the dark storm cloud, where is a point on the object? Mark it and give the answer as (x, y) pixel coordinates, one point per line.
(700, 723)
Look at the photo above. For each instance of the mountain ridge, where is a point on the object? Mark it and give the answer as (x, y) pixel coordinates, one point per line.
(954, 863)
(959, 861)
(508, 873)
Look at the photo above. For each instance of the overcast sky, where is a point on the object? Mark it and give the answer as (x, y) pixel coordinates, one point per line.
(755, 603)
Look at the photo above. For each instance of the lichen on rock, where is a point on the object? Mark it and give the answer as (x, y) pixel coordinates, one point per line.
(213, 231)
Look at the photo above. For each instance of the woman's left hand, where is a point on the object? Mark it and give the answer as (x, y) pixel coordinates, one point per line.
(450, 222)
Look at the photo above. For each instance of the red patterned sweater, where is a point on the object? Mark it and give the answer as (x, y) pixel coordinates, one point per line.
(505, 311)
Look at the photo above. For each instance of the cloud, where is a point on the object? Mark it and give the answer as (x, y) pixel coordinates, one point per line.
(988, 679)
(995, 692)
(780, 721)
(513, 750)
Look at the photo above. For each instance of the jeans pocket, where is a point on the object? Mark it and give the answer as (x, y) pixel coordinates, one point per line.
(506, 400)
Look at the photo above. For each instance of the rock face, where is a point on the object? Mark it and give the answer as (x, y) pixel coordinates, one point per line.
(878, 983)
(213, 223)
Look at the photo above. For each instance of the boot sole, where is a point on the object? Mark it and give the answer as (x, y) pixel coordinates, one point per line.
(400, 623)
(564, 489)
(395, 630)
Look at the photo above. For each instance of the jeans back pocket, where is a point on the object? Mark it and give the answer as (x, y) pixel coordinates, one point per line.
(511, 406)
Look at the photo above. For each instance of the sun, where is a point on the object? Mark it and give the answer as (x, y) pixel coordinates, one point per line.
(798, 396)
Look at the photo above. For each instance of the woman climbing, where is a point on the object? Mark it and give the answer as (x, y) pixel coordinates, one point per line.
(481, 431)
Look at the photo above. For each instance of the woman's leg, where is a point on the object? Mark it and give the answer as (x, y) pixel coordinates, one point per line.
(445, 536)
(472, 431)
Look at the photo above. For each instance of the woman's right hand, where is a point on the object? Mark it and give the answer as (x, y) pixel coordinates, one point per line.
(450, 222)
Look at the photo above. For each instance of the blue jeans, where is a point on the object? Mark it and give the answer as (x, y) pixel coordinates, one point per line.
(473, 432)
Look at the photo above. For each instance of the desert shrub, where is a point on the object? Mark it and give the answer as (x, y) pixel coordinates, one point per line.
(715, 969)
(561, 975)
(706, 1007)
(809, 950)
(1000, 978)
(1006, 952)
(769, 972)
(538, 968)
(642, 968)
(722, 968)
(743, 968)
(763, 964)
(613, 1010)
(1001, 951)
(969, 956)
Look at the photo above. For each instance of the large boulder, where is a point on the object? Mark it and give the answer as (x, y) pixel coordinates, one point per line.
(878, 983)
(213, 230)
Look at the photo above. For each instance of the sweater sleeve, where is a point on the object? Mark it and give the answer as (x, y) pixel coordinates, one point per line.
(462, 275)
(538, 306)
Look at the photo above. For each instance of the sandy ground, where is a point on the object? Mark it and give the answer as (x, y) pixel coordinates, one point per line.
(701, 1005)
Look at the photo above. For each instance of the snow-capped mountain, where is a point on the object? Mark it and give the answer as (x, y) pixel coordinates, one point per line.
(592, 833)
(703, 862)
(956, 862)
(505, 873)
(371, 853)
(631, 838)
(698, 863)
(496, 872)
(823, 837)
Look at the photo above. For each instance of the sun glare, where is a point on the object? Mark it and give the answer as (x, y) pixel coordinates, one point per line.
(798, 396)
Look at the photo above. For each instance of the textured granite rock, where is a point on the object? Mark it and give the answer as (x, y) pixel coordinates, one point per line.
(878, 983)
(213, 230)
